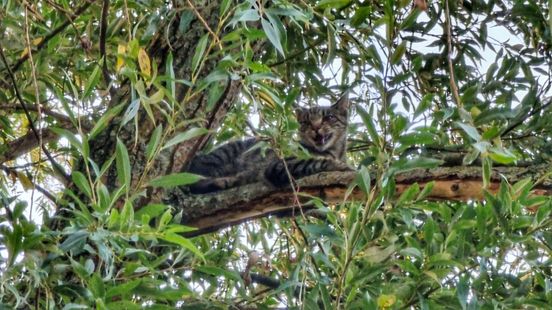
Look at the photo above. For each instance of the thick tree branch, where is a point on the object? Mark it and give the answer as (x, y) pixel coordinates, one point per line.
(211, 212)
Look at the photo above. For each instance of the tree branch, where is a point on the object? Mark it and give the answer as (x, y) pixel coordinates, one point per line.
(38, 136)
(218, 210)
(51, 35)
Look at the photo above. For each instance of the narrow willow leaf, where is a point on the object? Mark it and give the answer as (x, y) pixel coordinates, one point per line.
(105, 120)
(184, 136)
(96, 286)
(217, 271)
(487, 165)
(424, 105)
(144, 62)
(122, 162)
(331, 45)
(199, 51)
(176, 179)
(183, 242)
(398, 53)
(131, 111)
(324, 4)
(363, 180)
(502, 155)
(273, 35)
(153, 143)
(92, 82)
(82, 183)
(69, 136)
(367, 120)
(428, 187)
(409, 194)
(127, 215)
(361, 14)
(122, 288)
(470, 130)
(169, 70)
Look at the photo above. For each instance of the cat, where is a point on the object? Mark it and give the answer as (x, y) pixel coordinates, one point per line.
(323, 132)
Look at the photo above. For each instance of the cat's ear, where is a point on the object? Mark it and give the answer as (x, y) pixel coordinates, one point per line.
(299, 113)
(342, 104)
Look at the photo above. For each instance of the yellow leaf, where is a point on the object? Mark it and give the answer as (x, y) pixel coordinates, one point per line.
(121, 51)
(24, 53)
(386, 301)
(144, 62)
(37, 41)
(25, 181)
(267, 99)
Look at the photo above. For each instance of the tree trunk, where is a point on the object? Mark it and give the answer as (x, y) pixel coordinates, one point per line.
(182, 45)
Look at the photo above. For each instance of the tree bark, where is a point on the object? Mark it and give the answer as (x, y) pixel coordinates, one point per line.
(182, 45)
(214, 211)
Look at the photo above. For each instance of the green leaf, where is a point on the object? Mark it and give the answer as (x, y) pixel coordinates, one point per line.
(334, 4)
(361, 14)
(154, 142)
(122, 163)
(184, 136)
(217, 271)
(106, 118)
(75, 241)
(169, 70)
(398, 53)
(363, 180)
(502, 155)
(131, 111)
(410, 19)
(124, 288)
(215, 93)
(417, 162)
(199, 51)
(96, 286)
(183, 242)
(487, 164)
(367, 120)
(176, 179)
(417, 138)
(409, 194)
(69, 136)
(425, 104)
(127, 215)
(273, 35)
(82, 183)
(151, 210)
(470, 130)
(92, 82)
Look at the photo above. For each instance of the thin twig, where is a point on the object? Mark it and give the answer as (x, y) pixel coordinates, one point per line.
(198, 15)
(55, 165)
(453, 85)
(37, 96)
(42, 190)
(103, 33)
(46, 111)
(51, 35)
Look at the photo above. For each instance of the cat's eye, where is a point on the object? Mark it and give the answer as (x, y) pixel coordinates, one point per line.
(330, 118)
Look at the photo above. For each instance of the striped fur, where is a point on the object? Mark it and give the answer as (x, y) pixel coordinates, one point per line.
(323, 133)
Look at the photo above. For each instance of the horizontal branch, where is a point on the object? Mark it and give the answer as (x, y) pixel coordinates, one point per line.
(211, 212)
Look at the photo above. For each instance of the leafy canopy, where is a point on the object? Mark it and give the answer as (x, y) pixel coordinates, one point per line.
(429, 80)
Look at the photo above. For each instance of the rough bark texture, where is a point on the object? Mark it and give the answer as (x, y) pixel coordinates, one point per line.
(182, 45)
(211, 212)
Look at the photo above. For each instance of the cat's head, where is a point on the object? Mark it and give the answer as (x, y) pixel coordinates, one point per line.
(323, 130)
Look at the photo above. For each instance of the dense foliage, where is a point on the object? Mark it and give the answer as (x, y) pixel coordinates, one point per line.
(428, 79)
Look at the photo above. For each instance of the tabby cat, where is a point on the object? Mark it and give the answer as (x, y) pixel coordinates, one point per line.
(323, 133)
